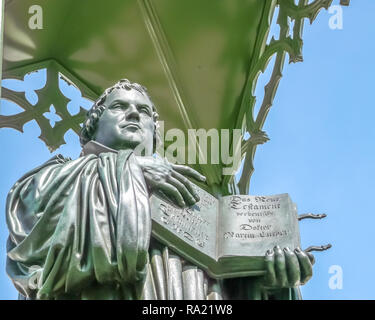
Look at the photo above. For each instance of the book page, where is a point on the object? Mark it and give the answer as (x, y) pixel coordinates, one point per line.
(196, 226)
(250, 225)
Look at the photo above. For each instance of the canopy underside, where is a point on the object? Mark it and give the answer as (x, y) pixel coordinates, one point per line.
(198, 59)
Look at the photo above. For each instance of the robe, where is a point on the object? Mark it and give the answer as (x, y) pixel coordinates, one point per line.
(81, 229)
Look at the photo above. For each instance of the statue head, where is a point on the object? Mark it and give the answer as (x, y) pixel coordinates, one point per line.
(123, 117)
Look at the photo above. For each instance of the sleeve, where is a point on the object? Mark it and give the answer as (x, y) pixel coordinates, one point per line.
(76, 223)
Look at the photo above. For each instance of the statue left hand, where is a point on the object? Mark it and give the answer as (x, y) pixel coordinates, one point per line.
(162, 176)
(286, 268)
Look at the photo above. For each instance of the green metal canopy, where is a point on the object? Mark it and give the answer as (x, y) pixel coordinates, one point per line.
(200, 61)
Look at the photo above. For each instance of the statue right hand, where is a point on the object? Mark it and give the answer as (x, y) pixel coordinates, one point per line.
(162, 176)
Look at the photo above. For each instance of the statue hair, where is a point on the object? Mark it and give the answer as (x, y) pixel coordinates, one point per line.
(93, 115)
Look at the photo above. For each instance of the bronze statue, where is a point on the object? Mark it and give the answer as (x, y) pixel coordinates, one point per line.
(81, 229)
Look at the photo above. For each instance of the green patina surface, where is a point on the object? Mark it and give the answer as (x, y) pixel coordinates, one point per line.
(200, 61)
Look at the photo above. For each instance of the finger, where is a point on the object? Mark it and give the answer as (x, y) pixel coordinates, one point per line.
(292, 267)
(311, 257)
(186, 183)
(172, 193)
(280, 267)
(304, 264)
(188, 197)
(270, 277)
(188, 172)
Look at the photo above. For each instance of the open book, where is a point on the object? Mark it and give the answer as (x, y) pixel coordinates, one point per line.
(227, 237)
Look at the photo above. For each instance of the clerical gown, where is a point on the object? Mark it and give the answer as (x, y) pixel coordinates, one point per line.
(81, 229)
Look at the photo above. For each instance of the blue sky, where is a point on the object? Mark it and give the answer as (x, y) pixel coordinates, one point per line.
(321, 151)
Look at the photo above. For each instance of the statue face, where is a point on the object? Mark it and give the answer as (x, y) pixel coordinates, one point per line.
(127, 121)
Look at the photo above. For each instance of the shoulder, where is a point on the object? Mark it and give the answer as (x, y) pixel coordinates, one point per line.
(57, 162)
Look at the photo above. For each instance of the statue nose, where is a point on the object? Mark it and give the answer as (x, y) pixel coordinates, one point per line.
(132, 113)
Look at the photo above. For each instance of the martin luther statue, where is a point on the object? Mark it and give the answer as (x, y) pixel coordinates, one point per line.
(81, 229)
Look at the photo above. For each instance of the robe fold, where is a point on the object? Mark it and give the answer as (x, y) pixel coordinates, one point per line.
(81, 229)
(77, 224)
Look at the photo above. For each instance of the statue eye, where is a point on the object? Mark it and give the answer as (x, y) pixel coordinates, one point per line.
(145, 109)
(116, 106)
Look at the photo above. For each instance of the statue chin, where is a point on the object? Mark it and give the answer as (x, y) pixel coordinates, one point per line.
(135, 141)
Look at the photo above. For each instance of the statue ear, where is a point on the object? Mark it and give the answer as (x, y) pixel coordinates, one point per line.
(156, 135)
(154, 139)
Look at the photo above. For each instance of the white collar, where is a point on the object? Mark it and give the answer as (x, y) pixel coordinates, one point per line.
(93, 147)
